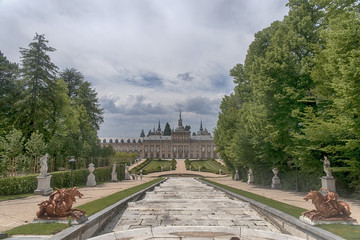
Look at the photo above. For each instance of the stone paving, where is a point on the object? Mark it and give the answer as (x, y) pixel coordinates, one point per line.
(187, 202)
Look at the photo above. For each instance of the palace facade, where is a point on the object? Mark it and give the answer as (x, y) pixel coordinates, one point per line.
(180, 145)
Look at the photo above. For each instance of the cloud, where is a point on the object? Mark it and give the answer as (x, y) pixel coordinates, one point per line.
(131, 106)
(145, 58)
(201, 105)
(149, 79)
(185, 77)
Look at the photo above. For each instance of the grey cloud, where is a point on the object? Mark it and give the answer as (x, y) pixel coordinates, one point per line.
(201, 105)
(150, 80)
(185, 77)
(142, 50)
(134, 107)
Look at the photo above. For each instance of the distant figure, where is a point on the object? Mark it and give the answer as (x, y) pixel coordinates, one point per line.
(327, 169)
(133, 176)
(44, 166)
(140, 176)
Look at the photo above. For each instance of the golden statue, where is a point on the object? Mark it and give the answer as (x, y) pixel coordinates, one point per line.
(60, 204)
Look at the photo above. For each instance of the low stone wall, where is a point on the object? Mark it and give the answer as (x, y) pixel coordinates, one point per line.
(286, 223)
(96, 222)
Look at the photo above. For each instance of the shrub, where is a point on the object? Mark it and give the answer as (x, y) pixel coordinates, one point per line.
(18, 185)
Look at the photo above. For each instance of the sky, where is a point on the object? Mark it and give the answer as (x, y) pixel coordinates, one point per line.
(147, 59)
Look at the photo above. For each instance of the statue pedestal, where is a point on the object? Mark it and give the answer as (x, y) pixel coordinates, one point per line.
(127, 176)
(91, 180)
(276, 184)
(313, 222)
(114, 177)
(328, 183)
(250, 178)
(43, 187)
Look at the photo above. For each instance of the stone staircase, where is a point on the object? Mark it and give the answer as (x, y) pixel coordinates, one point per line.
(187, 202)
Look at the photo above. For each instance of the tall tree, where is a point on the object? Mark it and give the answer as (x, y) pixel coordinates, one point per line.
(11, 147)
(167, 129)
(39, 75)
(10, 91)
(35, 148)
(331, 125)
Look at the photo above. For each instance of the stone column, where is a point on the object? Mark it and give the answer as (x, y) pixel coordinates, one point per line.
(275, 180)
(91, 182)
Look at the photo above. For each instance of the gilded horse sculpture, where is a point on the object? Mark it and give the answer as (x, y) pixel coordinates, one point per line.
(60, 204)
(326, 206)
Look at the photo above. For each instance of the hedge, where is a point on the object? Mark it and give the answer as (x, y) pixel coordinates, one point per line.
(28, 184)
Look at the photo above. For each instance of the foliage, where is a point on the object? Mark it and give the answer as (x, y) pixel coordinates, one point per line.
(155, 166)
(167, 130)
(141, 166)
(56, 112)
(11, 147)
(18, 185)
(210, 165)
(296, 98)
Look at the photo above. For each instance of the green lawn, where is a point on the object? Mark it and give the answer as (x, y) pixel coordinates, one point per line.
(155, 166)
(100, 204)
(38, 229)
(90, 208)
(17, 196)
(344, 231)
(207, 166)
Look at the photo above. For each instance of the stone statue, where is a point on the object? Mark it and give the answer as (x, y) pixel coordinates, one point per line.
(114, 168)
(44, 166)
(60, 204)
(327, 207)
(327, 169)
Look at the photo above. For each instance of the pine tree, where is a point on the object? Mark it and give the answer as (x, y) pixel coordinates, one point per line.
(167, 130)
(39, 75)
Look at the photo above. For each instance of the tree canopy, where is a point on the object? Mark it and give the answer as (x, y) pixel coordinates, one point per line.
(45, 111)
(296, 98)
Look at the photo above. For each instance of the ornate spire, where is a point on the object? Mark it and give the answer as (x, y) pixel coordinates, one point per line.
(201, 127)
(159, 128)
(180, 120)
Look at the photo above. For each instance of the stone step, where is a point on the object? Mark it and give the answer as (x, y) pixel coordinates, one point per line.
(187, 202)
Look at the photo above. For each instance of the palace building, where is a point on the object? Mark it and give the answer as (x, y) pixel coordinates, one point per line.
(180, 145)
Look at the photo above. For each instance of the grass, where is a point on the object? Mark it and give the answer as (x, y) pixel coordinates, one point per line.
(37, 229)
(90, 208)
(155, 166)
(286, 208)
(207, 166)
(345, 231)
(100, 204)
(17, 196)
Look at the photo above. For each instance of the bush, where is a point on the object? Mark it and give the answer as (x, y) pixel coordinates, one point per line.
(18, 185)
(28, 184)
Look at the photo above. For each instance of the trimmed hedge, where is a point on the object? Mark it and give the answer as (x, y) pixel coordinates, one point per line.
(140, 166)
(18, 185)
(28, 184)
